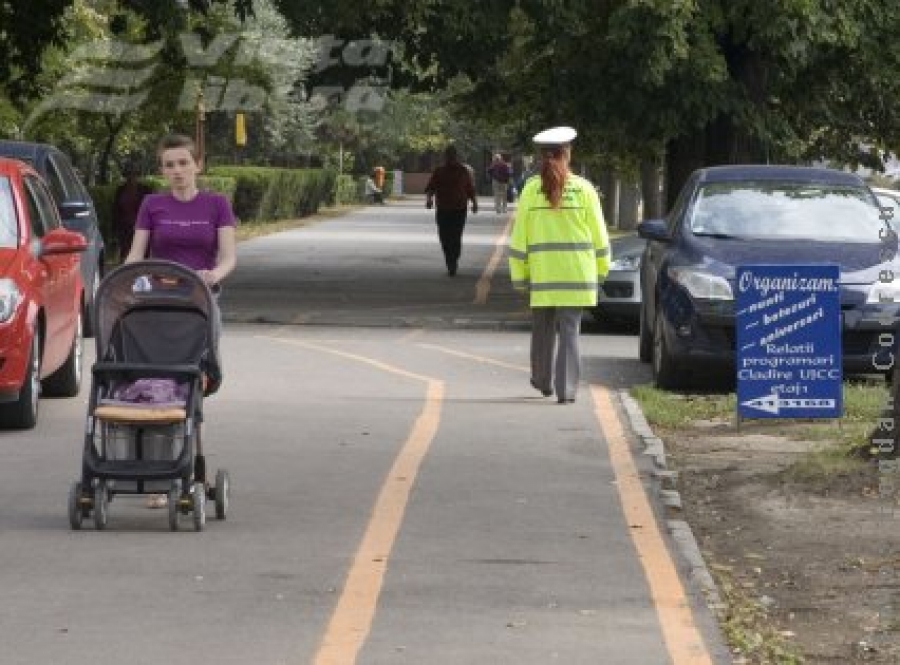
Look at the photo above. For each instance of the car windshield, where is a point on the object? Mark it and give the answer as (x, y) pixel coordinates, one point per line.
(9, 227)
(782, 210)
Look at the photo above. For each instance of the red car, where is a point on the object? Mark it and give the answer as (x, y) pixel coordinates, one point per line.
(41, 295)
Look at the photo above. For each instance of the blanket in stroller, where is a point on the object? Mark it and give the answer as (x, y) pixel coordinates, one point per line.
(152, 392)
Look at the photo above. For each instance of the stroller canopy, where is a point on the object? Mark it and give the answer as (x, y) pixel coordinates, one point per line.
(157, 312)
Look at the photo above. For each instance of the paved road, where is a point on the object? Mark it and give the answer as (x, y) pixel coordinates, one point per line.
(401, 495)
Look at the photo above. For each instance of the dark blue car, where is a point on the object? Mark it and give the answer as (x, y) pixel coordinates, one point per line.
(76, 209)
(728, 216)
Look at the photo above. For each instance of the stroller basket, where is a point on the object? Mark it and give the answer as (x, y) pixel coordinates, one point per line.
(139, 451)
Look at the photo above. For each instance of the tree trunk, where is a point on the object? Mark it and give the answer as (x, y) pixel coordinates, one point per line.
(651, 189)
(629, 201)
(609, 185)
(113, 129)
(716, 144)
(684, 155)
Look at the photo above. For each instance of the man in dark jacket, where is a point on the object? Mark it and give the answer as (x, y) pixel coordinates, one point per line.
(126, 203)
(451, 184)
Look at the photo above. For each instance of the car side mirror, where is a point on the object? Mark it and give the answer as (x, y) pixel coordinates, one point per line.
(62, 241)
(654, 229)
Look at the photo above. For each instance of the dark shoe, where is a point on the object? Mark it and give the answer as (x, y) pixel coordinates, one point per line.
(451, 269)
(566, 400)
(545, 393)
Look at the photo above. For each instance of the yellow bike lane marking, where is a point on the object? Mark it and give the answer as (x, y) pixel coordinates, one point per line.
(680, 633)
(483, 287)
(351, 620)
(683, 639)
(352, 617)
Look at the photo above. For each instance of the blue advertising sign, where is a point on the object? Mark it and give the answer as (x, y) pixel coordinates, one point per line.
(788, 321)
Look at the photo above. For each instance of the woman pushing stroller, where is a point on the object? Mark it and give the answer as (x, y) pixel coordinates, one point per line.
(186, 225)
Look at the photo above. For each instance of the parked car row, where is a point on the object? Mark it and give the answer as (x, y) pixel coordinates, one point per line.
(730, 216)
(51, 259)
(75, 207)
(41, 297)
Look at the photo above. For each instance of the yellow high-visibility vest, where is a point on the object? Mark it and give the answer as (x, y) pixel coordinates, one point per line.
(559, 255)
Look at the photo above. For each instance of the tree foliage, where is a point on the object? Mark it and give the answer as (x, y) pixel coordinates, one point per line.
(29, 28)
(121, 80)
(701, 81)
(694, 81)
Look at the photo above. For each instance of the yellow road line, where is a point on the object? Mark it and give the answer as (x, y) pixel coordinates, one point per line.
(470, 356)
(683, 639)
(483, 287)
(352, 618)
(350, 356)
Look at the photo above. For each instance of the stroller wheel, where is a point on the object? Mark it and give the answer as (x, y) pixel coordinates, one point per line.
(76, 514)
(198, 497)
(172, 504)
(101, 506)
(221, 493)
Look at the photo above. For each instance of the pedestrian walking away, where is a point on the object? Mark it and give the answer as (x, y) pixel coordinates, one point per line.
(500, 173)
(452, 186)
(558, 256)
(186, 225)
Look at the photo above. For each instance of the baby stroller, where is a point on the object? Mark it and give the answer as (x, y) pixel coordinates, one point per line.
(156, 329)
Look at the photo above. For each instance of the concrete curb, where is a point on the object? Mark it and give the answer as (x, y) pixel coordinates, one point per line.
(654, 447)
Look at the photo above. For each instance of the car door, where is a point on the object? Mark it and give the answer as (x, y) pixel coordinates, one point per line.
(68, 188)
(653, 260)
(59, 275)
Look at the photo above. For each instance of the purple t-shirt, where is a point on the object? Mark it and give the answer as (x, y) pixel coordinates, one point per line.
(186, 232)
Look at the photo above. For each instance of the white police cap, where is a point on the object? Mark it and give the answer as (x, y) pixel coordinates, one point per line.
(555, 136)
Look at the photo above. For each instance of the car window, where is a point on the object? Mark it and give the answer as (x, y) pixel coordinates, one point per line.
(58, 186)
(74, 190)
(782, 210)
(9, 226)
(41, 208)
(684, 196)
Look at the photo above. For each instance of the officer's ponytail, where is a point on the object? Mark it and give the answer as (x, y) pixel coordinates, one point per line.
(554, 170)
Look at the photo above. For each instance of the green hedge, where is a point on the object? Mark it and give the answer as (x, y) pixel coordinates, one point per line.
(346, 190)
(267, 193)
(103, 201)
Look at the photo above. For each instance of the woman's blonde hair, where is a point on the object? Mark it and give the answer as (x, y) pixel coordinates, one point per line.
(554, 170)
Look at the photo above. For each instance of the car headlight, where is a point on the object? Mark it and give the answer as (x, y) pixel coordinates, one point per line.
(701, 284)
(10, 297)
(884, 293)
(626, 263)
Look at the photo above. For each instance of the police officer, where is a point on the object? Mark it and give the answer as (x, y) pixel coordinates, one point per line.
(558, 255)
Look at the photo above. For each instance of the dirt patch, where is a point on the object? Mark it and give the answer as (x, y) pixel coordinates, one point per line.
(814, 556)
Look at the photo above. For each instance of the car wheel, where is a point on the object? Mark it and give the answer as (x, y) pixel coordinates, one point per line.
(22, 414)
(666, 373)
(87, 307)
(645, 339)
(66, 381)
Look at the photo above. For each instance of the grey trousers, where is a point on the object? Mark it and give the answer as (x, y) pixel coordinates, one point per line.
(548, 323)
